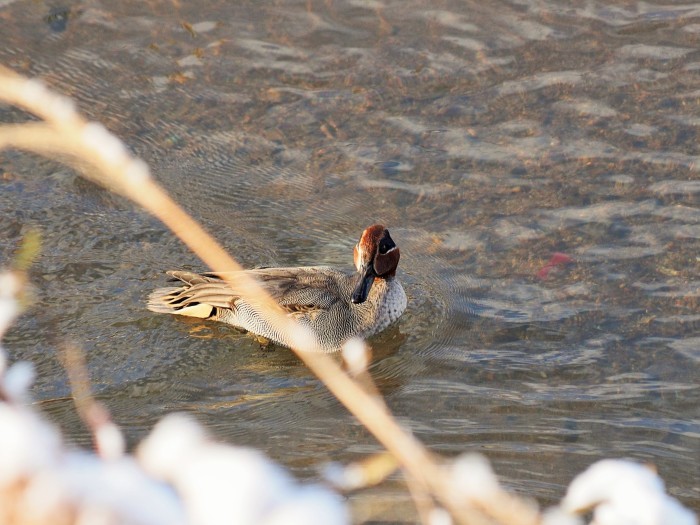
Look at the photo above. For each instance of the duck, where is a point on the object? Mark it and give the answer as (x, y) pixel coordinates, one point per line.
(335, 305)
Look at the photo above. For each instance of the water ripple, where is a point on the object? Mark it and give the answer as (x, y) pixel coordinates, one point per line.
(493, 140)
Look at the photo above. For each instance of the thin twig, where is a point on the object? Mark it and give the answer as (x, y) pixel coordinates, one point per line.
(425, 505)
(107, 438)
(89, 144)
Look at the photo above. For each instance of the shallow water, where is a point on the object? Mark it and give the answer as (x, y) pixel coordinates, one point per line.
(487, 137)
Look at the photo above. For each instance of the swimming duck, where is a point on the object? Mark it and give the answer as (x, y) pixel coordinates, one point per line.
(335, 305)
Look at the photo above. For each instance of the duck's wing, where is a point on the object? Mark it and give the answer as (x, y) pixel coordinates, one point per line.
(300, 291)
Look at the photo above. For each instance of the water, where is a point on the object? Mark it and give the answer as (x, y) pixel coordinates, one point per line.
(487, 137)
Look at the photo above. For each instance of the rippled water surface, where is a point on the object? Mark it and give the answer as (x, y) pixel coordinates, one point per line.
(497, 141)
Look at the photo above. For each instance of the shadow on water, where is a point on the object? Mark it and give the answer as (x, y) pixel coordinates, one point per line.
(488, 137)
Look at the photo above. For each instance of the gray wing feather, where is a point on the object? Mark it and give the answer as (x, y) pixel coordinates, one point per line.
(302, 288)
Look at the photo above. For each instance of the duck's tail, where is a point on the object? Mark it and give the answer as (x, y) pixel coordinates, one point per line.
(180, 300)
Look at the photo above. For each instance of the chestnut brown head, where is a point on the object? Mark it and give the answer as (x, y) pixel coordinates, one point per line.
(376, 256)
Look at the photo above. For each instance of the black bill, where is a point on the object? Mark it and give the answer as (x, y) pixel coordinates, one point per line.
(359, 295)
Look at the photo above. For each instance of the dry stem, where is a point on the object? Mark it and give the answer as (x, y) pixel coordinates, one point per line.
(66, 133)
(108, 440)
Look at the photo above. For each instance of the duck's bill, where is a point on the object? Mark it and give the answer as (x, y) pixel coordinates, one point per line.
(359, 295)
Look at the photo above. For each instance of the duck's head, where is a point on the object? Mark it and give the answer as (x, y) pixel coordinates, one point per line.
(376, 256)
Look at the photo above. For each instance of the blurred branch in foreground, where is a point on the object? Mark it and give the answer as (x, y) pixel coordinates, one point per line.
(466, 487)
(101, 157)
(108, 439)
(178, 477)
